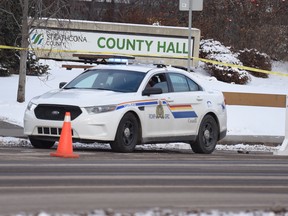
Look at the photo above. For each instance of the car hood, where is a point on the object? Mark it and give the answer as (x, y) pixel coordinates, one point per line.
(82, 97)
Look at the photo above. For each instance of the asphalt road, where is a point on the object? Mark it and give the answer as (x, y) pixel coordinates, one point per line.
(32, 181)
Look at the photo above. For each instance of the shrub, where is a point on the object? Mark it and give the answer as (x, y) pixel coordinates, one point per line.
(34, 68)
(11, 65)
(253, 58)
(214, 50)
(4, 72)
(211, 46)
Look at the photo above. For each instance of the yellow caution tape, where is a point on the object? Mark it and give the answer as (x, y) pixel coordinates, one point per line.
(11, 47)
(241, 67)
(195, 58)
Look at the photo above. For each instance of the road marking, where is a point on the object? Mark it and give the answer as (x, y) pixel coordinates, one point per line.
(152, 177)
(51, 187)
(137, 164)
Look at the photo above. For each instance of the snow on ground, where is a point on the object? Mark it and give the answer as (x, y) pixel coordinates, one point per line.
(240, 148)
(242, 120)
(168, 212)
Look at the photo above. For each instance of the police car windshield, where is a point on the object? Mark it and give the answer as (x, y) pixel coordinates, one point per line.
(107, 79)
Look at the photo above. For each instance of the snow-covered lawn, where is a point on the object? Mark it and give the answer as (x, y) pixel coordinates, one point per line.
(242, 120)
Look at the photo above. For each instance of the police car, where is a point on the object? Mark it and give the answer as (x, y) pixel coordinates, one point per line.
(127, 105)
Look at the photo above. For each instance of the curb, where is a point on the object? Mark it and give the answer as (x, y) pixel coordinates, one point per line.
(12, 130)
(252, 139)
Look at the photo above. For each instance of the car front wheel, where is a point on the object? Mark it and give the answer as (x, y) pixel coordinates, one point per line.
(41, 144)
(127, 134)
(207, 136)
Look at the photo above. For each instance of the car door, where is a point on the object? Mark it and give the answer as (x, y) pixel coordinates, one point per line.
(186, 104)
(157, 116)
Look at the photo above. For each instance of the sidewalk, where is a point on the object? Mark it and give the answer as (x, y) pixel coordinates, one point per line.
(11, 130)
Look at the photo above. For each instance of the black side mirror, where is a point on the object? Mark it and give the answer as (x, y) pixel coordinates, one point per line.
(62, 84)
(151, 91)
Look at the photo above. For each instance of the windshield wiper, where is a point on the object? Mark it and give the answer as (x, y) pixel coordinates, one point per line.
(106, 89)
(71, 87)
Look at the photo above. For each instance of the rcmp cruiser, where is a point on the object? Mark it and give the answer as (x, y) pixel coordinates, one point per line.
(130, 104)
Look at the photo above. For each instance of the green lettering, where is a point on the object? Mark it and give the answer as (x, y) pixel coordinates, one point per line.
(170, 48)
(159, 46)
(139, 44)
(178, 48)
(119, 45)
(185, 50)
(130, 45)
(98, 42)
(148, 43)
(110, 43)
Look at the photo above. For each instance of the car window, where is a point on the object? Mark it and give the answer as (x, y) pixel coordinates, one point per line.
(104, 79)
(87, 83)
(181, 83)
(158, 81)
(193, 86)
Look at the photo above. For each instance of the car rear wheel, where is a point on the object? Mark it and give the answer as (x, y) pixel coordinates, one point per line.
(127, 134)
(41, 144)
(207, 136)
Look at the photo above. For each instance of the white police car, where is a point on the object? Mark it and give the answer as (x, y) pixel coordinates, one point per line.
(127, 105)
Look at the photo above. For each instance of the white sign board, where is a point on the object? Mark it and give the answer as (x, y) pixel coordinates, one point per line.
(197, 5)
(110, 43)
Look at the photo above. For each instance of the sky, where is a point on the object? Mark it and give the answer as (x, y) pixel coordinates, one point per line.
(242, 120)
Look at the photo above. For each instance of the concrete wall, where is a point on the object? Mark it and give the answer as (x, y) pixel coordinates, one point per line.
(131, 30)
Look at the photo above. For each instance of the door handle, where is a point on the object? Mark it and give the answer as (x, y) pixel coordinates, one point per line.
(199, 98)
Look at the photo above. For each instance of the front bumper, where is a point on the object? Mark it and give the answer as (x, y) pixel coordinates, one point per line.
(98, 127)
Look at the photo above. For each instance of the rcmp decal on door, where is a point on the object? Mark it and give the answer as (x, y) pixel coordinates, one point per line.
(160, 112)
(182, 111)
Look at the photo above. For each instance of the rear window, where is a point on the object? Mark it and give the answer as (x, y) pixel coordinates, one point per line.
(181, 83)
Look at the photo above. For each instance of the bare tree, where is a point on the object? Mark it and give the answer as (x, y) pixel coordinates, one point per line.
(260, 24)
(35, 10)
(23, 52)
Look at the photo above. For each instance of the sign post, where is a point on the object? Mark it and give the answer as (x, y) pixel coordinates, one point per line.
(283, 150)
(189, 5)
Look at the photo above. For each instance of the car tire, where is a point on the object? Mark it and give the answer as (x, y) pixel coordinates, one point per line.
(207, 136)
(127, 135)
(41, 144)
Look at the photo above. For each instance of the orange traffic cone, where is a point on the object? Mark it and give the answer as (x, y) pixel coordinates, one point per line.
(65, 148)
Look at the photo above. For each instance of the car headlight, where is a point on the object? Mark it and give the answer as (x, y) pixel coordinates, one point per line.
(31, 106)
(100, 109)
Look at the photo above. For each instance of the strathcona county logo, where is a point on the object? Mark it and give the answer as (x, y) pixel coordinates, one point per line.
(37, 39)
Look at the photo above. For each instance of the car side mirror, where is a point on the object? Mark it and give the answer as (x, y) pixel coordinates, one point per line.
(62, 84)
(151, 91)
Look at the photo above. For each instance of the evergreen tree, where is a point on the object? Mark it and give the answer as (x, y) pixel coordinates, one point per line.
(9, 36)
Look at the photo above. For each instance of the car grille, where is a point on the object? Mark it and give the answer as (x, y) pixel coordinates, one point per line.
(56, 112)
(50, 131)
